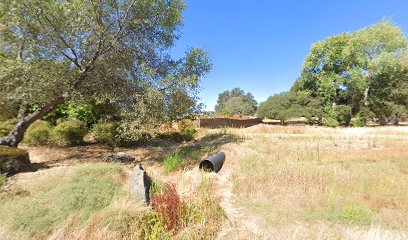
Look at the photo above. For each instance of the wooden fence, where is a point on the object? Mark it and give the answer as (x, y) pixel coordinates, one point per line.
(228, 122)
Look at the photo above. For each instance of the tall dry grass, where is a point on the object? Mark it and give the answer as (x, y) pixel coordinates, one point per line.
(342, 179)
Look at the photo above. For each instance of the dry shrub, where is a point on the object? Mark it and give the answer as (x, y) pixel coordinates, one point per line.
(170, 207)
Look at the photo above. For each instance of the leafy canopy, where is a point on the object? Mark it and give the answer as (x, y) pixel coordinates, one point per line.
(356, 74)
(115, 51)
(236, 101)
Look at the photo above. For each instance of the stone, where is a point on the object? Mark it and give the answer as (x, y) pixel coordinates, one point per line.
(140, 184)
(13, 160)
(120, 157)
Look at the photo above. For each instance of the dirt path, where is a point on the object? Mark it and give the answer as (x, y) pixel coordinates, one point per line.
(240, 224)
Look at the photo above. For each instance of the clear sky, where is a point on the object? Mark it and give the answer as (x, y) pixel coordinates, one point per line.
(260, 45)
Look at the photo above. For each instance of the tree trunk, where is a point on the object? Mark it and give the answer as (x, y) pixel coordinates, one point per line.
(366, 90)
(23, 122)
(366, 96)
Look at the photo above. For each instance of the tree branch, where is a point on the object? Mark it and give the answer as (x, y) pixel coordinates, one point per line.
(75, 59)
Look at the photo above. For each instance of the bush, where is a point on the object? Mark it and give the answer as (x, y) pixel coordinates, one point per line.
(6, 127)
(343, 113)
(69, 133)
(179, 136)
(169, 207)
(357, 122)
(127, 137)
(106, 133)
(181, 131)
(39, 133)
(330, 122)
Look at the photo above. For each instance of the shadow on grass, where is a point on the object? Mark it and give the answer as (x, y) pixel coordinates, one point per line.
(190, 154)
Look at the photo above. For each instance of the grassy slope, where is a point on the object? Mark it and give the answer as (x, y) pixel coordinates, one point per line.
(53, 201)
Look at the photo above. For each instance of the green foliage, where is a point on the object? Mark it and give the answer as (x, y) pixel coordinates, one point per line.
(7, 111)
(69, 133)
(39, 133)
(343, 114)
(51, 204)
(106, 132)
(359, 70)
(330, 122)
(81, 52)
(236, 101)
(6, 127)
(146, 225)
(89, 113)
(358, 122)
(184, 136)
(226, 112)
(352, 213)
(279, 107)
(185, 156)
(127, 136)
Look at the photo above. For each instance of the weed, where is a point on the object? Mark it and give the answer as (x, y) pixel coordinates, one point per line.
(185, 156)
(169, 207)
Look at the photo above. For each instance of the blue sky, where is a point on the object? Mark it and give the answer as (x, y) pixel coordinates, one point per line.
(260, 45)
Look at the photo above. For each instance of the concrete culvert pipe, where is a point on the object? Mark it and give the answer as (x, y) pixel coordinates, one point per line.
(213, 163)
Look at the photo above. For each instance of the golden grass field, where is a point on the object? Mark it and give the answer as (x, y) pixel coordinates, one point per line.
(303, 182)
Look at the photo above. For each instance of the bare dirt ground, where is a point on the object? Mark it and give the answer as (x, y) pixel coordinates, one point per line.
(91, 153)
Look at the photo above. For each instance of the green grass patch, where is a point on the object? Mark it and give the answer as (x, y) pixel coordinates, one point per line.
(354, 213)
(185, 156)
(87, 190)
(3, 180)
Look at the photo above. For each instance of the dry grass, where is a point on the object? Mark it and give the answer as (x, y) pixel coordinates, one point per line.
(341, 176)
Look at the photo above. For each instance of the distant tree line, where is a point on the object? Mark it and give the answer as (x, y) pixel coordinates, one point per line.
(236, 101)
(349, 79)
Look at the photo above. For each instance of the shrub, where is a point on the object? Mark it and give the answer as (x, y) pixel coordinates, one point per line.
(39, 133)
(343, 113)
(146, 225)
(181, 131)
(68, 133)
(330, 122)
(128, 137)
(357, 122)
(169, 207)
(6, 127)
(106, 133)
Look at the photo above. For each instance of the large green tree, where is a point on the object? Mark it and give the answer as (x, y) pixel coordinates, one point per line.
(357, 74)
(54, 51)
(236, 101)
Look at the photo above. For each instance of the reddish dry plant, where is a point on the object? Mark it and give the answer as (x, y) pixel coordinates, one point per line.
(169, 207)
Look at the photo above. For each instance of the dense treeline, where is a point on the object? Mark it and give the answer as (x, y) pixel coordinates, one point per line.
(349, 79)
